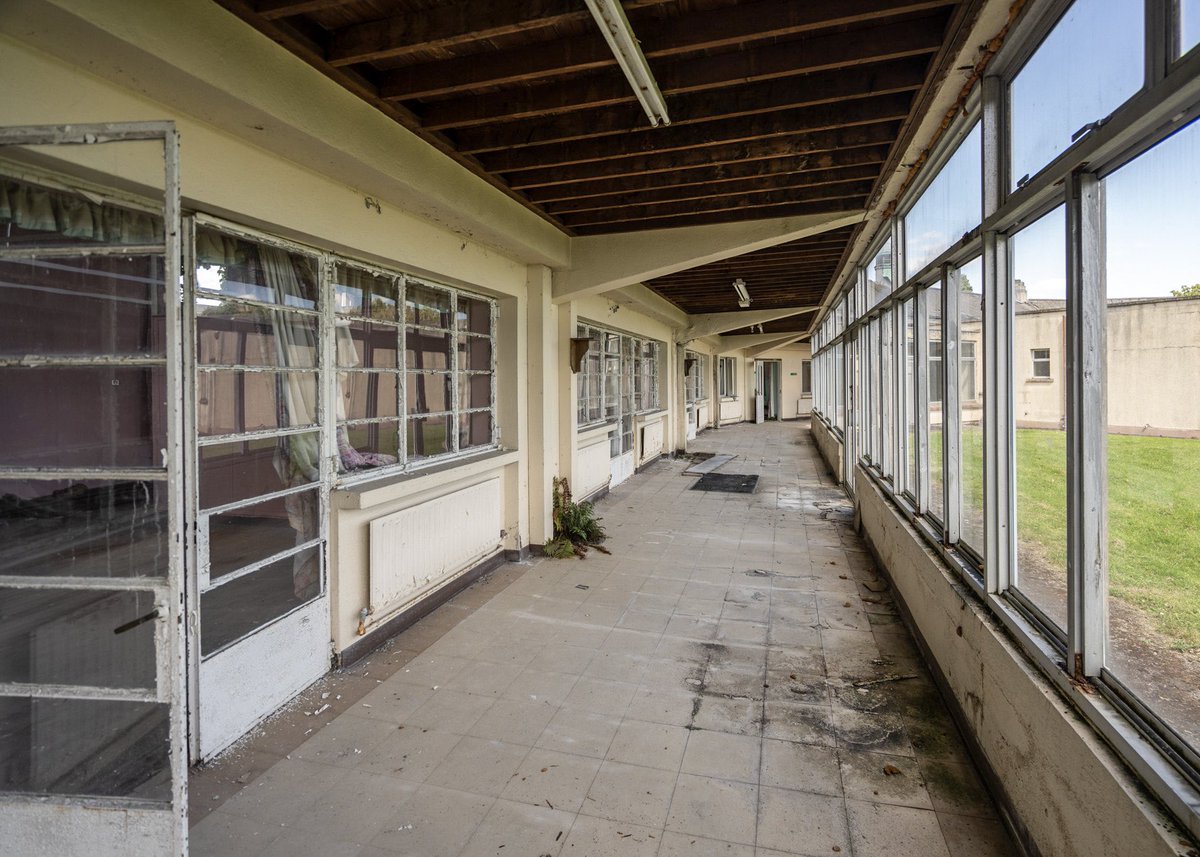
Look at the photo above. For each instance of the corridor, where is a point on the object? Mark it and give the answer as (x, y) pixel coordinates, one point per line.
(733, 679)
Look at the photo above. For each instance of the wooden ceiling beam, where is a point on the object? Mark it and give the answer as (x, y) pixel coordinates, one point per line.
(684, 138)
(764, 199)
(918, 37)
(827, 163)
(273, 10)
(723, 27)
(725, 273)
(766, 286)
(814, 144)
(714, 190)
(450, 24)
(628, 123)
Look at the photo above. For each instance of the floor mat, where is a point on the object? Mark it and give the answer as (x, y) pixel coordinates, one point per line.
(732, 483)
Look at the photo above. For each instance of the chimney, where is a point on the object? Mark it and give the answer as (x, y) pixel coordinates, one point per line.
(1020, 293)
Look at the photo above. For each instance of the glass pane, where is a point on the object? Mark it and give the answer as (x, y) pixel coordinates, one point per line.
(1039, 407)
(950, 206)
(879, 275)
(429, 394)
(366, 395)
(361, 293)
(232, 402)
(475, 429)
(426, 349)
(475, 391)
(910, 399)
(429, 436)
(368, 445)
(933, 384)
(60, 636)
(236, 268)
(233, 610)
(243, 536)
(1062, 88)
(84, 529)
(887, 415)
(970, 403)
(232, 335)
(1189, 25)
(475, 352)
(35, 216)
(366, 345)
(82, 305)
(1153, 311)
(81, 416)
(426, 305)
(474, 315)
(98, 748)
(240, 470)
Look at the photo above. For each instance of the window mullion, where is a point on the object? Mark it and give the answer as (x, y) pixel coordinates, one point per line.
(1087, 461)
(951, 413)
(920, 378)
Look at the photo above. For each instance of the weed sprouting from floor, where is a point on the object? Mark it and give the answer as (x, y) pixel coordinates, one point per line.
(576, 527)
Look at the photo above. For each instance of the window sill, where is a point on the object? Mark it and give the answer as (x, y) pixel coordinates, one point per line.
(1039, 380)
(365, 495)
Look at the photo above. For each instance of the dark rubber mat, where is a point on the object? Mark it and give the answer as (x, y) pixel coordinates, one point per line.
(732, 483)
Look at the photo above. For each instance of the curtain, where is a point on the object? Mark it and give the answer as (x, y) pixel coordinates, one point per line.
(41, 209)
(297, 457)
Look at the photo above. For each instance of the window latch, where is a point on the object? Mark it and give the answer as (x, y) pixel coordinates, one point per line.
(1090, 127)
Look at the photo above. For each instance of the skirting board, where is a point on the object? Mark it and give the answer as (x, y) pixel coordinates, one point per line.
(376, 637)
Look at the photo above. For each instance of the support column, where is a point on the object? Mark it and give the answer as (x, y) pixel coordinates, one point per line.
(545, 362)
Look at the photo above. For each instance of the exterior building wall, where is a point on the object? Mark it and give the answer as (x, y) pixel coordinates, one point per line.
(1039, 402)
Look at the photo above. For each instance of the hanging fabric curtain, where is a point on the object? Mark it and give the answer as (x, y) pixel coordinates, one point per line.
(298, 456)
(35, 208)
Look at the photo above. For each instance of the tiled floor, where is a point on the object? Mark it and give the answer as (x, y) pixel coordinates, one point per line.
(732, 680)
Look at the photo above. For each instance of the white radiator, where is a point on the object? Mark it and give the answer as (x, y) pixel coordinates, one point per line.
(417, 548)
(592, 470)
(652, 440)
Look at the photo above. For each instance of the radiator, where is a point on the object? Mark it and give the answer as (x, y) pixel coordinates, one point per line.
(652, 440)
(417, 548)
(592, 470)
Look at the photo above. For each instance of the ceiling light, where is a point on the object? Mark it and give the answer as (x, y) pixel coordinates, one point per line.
(624, 45)
(743, 296)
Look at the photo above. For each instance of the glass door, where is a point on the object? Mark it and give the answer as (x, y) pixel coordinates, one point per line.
(92, 725)
(255, 317)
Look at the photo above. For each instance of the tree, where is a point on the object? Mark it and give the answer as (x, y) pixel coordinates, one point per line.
(964, 284)
(1192, 291)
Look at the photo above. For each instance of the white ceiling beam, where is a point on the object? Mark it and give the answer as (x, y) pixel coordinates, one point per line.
(601, 263)
(706, 324)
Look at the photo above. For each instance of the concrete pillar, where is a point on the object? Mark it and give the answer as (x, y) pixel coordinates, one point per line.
(675, 380)
(546, 358)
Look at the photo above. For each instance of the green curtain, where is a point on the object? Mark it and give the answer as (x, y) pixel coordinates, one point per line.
(42, 209)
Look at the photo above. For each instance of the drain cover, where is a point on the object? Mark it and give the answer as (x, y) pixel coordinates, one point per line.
(733, 483)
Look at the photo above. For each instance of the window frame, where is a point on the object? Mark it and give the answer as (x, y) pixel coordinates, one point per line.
(1168, 100)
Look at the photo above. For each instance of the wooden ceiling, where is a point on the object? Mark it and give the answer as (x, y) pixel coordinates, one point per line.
(792, 274)
(778, 108)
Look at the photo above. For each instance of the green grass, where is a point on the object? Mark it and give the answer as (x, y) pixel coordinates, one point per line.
(1153, 518)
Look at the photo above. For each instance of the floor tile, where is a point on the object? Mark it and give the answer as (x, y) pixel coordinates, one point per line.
(879, 830)
(655, 745)
(599, 837)
(803, 767)
(552, 779)
(630, 793)
(479, 766)
(708, 807)
(803, 823)
(434, 822)
(519, 829)
(724, 755)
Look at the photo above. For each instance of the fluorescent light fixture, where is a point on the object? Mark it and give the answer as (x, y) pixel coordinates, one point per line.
(624, 44)
(743, 296)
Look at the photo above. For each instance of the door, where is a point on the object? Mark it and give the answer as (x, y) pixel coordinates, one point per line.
(93, 754)
(760, 404)
(262, 465)
(621, 463)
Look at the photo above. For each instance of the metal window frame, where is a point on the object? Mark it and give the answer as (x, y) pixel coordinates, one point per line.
(1168, 100)
(169, 590)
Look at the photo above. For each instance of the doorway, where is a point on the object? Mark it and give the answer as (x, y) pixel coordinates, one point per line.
(768, 392)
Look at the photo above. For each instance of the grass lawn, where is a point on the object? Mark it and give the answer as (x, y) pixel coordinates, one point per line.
(1153, 518)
